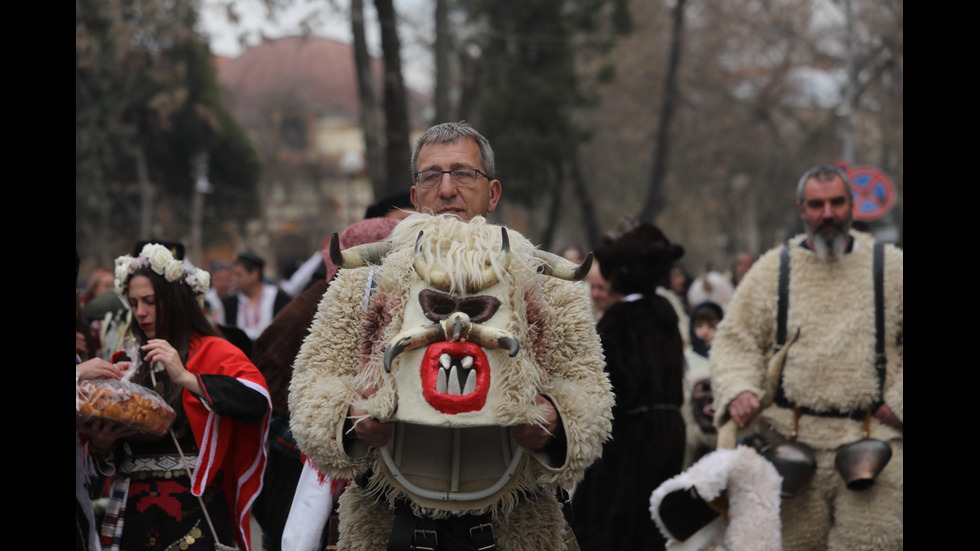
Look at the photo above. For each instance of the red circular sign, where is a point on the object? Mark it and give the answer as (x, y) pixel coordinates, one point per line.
(873, 192)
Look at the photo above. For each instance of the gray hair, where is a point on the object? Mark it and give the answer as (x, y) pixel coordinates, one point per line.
(452, 132)
(823, 173)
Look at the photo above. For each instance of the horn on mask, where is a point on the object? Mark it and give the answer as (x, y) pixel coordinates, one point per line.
(561, 267)
(439, 279)
(357, 256)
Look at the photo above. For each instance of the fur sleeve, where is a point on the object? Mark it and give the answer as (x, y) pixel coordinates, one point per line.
(323, 387)
(576, 382)
(895, 330)
(745, 336)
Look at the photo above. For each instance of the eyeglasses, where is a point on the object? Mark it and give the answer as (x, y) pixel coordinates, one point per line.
(462, 177)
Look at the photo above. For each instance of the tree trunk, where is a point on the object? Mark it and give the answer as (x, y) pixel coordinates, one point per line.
(397, 152)
(586, 202)
(368, 111)
(654, 203)
(442, 62)
(146, 194)
(554, 208)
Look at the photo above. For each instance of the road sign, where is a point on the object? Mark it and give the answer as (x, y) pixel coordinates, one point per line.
(873, 191)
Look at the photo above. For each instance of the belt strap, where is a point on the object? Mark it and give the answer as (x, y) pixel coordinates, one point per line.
(455, 533)
(157, 463)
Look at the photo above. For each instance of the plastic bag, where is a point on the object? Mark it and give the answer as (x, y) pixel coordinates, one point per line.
(125, 402)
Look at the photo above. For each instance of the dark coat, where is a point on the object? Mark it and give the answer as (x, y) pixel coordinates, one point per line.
(645, 362)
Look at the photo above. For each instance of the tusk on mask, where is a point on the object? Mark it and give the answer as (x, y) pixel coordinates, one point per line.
(411, 339)
(492, 338)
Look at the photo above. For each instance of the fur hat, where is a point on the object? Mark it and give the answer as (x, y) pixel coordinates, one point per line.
(638, 260)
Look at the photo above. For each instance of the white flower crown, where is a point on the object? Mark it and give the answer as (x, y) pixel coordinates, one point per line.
(162, 261)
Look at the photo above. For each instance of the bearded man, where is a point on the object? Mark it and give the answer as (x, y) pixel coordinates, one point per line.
(841, 377)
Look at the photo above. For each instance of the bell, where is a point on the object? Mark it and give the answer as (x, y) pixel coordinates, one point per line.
(860, 462)
(794, 462)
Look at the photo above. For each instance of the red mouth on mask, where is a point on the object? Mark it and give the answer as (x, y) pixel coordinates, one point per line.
(455, 377)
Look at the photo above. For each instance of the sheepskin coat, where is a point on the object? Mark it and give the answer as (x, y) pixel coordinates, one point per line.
(560, 357)
(831, 366)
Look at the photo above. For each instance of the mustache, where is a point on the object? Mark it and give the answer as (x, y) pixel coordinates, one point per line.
(830, 224)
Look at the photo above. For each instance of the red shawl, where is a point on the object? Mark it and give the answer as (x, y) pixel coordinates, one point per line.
(235, 448)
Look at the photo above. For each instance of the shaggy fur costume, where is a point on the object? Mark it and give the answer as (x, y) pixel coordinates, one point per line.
(747, 483)
(560, 357)
(831, 366)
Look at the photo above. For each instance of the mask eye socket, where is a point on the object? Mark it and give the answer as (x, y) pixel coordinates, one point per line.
(438, 306)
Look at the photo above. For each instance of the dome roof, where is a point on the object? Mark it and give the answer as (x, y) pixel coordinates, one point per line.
(304, 73)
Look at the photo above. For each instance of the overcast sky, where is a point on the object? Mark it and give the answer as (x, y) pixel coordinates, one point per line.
(324, 20)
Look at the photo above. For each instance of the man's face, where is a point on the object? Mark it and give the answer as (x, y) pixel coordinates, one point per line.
(477, 200)
(826, 214)
(743, 264)
(602, 296)
(221, 282)
(244, 280)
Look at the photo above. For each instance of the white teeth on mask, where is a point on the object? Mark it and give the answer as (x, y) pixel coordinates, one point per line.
(441, 382)
(454, 382)
(447, 380)
(470, 385)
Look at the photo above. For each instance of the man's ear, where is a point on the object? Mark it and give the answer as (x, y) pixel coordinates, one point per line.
(415, 202)
(495, 192)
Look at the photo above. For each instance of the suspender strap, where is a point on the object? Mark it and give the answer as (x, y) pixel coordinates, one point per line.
(880, 358)
(782, 306)
(783, 300)
(402, 536)
(878, 272)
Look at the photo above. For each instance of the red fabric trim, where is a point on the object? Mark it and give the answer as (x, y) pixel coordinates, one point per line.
(234, 448)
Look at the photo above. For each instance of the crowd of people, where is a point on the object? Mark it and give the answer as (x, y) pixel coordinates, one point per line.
(640, 371)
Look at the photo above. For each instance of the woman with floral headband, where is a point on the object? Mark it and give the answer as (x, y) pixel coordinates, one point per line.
(222, 404)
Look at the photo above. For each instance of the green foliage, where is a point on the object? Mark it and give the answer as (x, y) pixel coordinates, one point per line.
(146, 88)
(528, 87)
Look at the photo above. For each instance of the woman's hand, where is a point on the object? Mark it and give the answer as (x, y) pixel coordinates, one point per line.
(97, 368)
(159, 350)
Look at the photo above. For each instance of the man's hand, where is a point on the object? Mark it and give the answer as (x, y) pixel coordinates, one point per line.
(888, 417)
(744, 408)
(103, 433)
(533, 436)
(370, 431)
